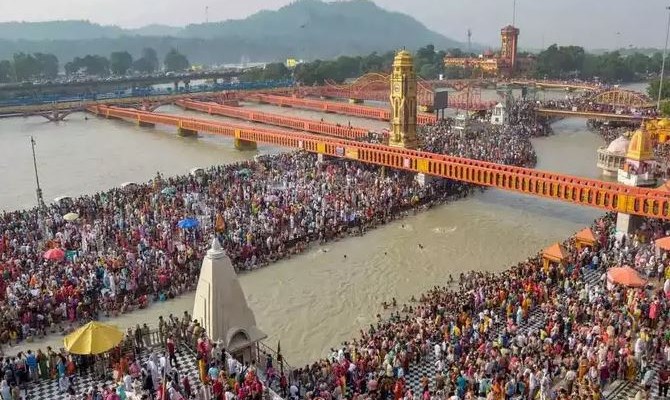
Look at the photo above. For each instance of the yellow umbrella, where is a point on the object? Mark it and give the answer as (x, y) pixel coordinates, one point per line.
(70, 216)
(93, 338)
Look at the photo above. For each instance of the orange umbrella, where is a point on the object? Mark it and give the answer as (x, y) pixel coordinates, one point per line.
(663, 243)
(626, 276)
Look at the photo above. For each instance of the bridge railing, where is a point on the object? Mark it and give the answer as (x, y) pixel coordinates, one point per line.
(142, 92)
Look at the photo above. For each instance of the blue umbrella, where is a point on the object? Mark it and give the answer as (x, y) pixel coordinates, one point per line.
(188, 223)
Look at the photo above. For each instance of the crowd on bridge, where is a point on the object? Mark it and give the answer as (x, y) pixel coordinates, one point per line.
(585, 103)
(536, 330)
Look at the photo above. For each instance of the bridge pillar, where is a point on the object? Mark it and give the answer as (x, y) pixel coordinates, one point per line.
(356, 101)
(245, 145)
(184, 132)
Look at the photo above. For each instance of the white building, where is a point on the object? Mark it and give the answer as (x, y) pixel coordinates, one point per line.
(499, 114)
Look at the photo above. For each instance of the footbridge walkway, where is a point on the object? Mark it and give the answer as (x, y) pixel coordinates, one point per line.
(307, 125)
(599, 116)
(353, 110)
(571, 189)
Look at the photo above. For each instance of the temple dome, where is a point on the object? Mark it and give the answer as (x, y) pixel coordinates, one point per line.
(403, 58)
(641, 147)
(618, 146)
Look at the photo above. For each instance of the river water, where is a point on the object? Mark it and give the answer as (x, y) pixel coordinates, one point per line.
(318, 299)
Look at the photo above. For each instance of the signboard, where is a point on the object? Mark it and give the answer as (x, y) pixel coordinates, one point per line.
(441, 100)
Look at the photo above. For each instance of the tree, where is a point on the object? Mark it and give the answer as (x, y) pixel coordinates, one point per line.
(175, 61)
(428, 71)
(665, 108)
(120, 62)
(275, 72)
(6, 71)
(47, 64)
(148, 63)
(26, 67)
(90, 64)
(652, 89)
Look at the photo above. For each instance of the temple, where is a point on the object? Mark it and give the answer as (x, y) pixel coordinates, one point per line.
(639, 170)
(221, 308)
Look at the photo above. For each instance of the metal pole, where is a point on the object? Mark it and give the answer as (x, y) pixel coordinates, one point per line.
(40, 200)
(514, 14)
(665, 52)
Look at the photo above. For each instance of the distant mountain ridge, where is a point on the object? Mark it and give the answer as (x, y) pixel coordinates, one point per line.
(306, 28)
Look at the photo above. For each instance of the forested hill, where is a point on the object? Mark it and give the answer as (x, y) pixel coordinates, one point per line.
(307, 29)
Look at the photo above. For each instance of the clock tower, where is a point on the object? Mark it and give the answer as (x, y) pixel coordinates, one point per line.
(403, 102)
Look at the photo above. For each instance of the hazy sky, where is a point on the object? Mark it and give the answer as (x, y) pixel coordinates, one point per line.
(590, 23)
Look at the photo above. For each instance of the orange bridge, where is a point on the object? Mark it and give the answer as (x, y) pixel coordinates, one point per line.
(571, 189)
(376, 87)
(332, 107)
(307, 125)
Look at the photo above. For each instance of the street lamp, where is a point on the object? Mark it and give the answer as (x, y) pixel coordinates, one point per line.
(40, 199)
(665, 51)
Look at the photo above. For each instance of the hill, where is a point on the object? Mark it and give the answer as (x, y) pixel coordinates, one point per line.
(56, 30)
(306, 29)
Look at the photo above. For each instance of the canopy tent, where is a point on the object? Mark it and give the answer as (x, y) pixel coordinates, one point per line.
(585, 238)
(625, 276)
(663, 243)
(93, 338)
(555, 253)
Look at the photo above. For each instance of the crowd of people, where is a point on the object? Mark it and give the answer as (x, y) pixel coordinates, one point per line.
(585, 103)
(589, 335)
(503, 144)
(143, 367)
(126, 250)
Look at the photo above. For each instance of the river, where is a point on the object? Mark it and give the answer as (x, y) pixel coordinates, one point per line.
(318, 299)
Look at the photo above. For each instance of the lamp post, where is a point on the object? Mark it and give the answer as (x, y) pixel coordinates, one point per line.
(38, 191)
(665, 52)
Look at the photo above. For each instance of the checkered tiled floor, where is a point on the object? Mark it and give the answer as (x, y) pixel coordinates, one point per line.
(48, 390)
(622, 389)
